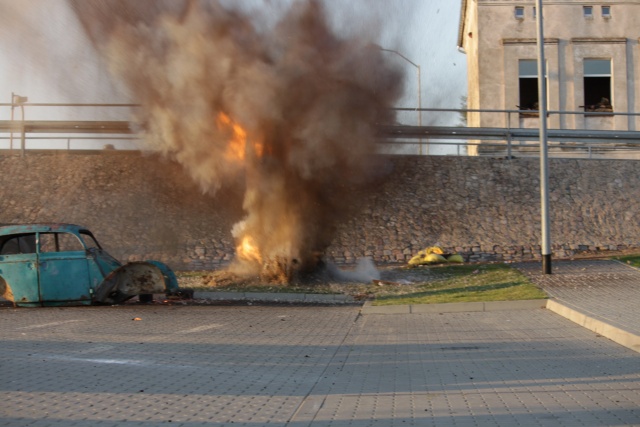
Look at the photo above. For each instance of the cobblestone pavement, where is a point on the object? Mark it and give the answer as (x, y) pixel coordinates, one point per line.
(602, 289)
(308, 366)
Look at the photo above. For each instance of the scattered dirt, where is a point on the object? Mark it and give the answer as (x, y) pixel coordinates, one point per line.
(392, 280)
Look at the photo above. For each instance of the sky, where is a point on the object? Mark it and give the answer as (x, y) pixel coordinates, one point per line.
(44, 54)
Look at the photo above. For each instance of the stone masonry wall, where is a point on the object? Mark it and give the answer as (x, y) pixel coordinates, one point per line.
(143, 207)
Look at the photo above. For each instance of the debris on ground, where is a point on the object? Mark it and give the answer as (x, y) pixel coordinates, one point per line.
(434, 255)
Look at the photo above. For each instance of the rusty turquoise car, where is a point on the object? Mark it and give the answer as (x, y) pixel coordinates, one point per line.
(63, 264)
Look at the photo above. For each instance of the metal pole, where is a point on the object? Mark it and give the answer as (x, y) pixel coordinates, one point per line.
(420, 107)
(419, 88)
(544, 165)
(23, 138)
(11, 134)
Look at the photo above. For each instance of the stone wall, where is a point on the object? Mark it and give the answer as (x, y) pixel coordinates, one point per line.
(141, 206)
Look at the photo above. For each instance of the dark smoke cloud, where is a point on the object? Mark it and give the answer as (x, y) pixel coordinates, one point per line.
(307, 99)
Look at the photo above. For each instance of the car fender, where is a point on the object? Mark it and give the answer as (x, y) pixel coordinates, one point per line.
(170, 279)
(129, 280)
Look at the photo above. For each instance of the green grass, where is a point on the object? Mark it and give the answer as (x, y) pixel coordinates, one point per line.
(401, 285)
(632, 260)
(468, 283)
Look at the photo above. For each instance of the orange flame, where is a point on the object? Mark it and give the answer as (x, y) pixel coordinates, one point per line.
(247, 250)
(237, 148)
(238, 143)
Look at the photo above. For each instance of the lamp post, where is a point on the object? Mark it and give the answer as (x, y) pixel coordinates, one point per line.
(544, 165)
(17, 100)
(419, 89)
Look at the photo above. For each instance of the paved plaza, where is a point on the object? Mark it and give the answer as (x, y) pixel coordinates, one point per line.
(195, 366)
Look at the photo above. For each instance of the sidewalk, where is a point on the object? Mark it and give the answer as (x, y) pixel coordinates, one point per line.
(330, 365)
(601, 295)
(301, 366)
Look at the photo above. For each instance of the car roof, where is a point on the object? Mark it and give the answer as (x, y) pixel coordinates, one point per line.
(9, 229)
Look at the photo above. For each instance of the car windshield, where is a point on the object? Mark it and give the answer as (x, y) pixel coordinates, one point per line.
(60, 242)
(89, 241)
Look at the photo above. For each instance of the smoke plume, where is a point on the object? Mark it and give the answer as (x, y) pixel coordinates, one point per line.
(289, 111)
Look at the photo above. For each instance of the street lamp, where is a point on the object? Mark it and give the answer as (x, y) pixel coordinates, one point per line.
(17, 100)
(419, 89)
(544, 164)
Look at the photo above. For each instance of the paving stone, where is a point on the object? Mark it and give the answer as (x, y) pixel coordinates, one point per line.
(196, 366)
(606, 290)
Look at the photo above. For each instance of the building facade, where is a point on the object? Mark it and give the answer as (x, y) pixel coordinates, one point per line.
(592, 63)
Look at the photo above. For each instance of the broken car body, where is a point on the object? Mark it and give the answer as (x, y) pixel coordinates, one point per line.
(63, 264)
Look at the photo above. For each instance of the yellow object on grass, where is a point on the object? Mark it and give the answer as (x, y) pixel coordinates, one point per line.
(455, 258)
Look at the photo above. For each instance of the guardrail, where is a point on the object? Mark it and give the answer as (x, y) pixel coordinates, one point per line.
(494, 141)
(524, 142)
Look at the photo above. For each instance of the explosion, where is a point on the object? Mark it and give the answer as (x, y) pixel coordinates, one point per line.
(290, 110)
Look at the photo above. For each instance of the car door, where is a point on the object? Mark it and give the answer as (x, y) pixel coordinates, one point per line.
(64, 273)
(19, 269)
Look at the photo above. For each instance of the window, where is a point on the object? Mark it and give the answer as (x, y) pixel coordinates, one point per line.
(519, 12)
(528, 86)
(588, 11)
(597, 85)
(59, 242)
(606, 11)
(89, 240)
(18, 244)
(534, 12)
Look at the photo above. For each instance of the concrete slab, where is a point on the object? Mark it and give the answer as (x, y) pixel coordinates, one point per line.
(615, 334)
(204, 366)
(458, 307)
(515, 305)
(454, 307)
(600, 295)
(369, 308)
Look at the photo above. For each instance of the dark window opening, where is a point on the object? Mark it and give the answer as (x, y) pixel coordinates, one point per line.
(529, 96)
(597, 85)
(528, 87)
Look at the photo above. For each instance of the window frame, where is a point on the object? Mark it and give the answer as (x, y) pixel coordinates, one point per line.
(531, 77)
(591, 105)
(518, 13)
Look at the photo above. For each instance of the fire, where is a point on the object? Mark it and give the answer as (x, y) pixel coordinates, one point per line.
(248, 250)
(237, 148)
(297, 122)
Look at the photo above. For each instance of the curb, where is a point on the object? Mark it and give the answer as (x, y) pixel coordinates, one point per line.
(615, 334)
(276, 297)
(454, 307)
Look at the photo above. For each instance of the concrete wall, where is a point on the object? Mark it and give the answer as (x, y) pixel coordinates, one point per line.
(140, 206)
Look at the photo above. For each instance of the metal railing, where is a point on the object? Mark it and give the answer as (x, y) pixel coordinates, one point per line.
(508, 140)
(87, 129)
(516, 133)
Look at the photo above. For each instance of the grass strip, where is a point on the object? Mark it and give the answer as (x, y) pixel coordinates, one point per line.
(632, 260)
(468, 283)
